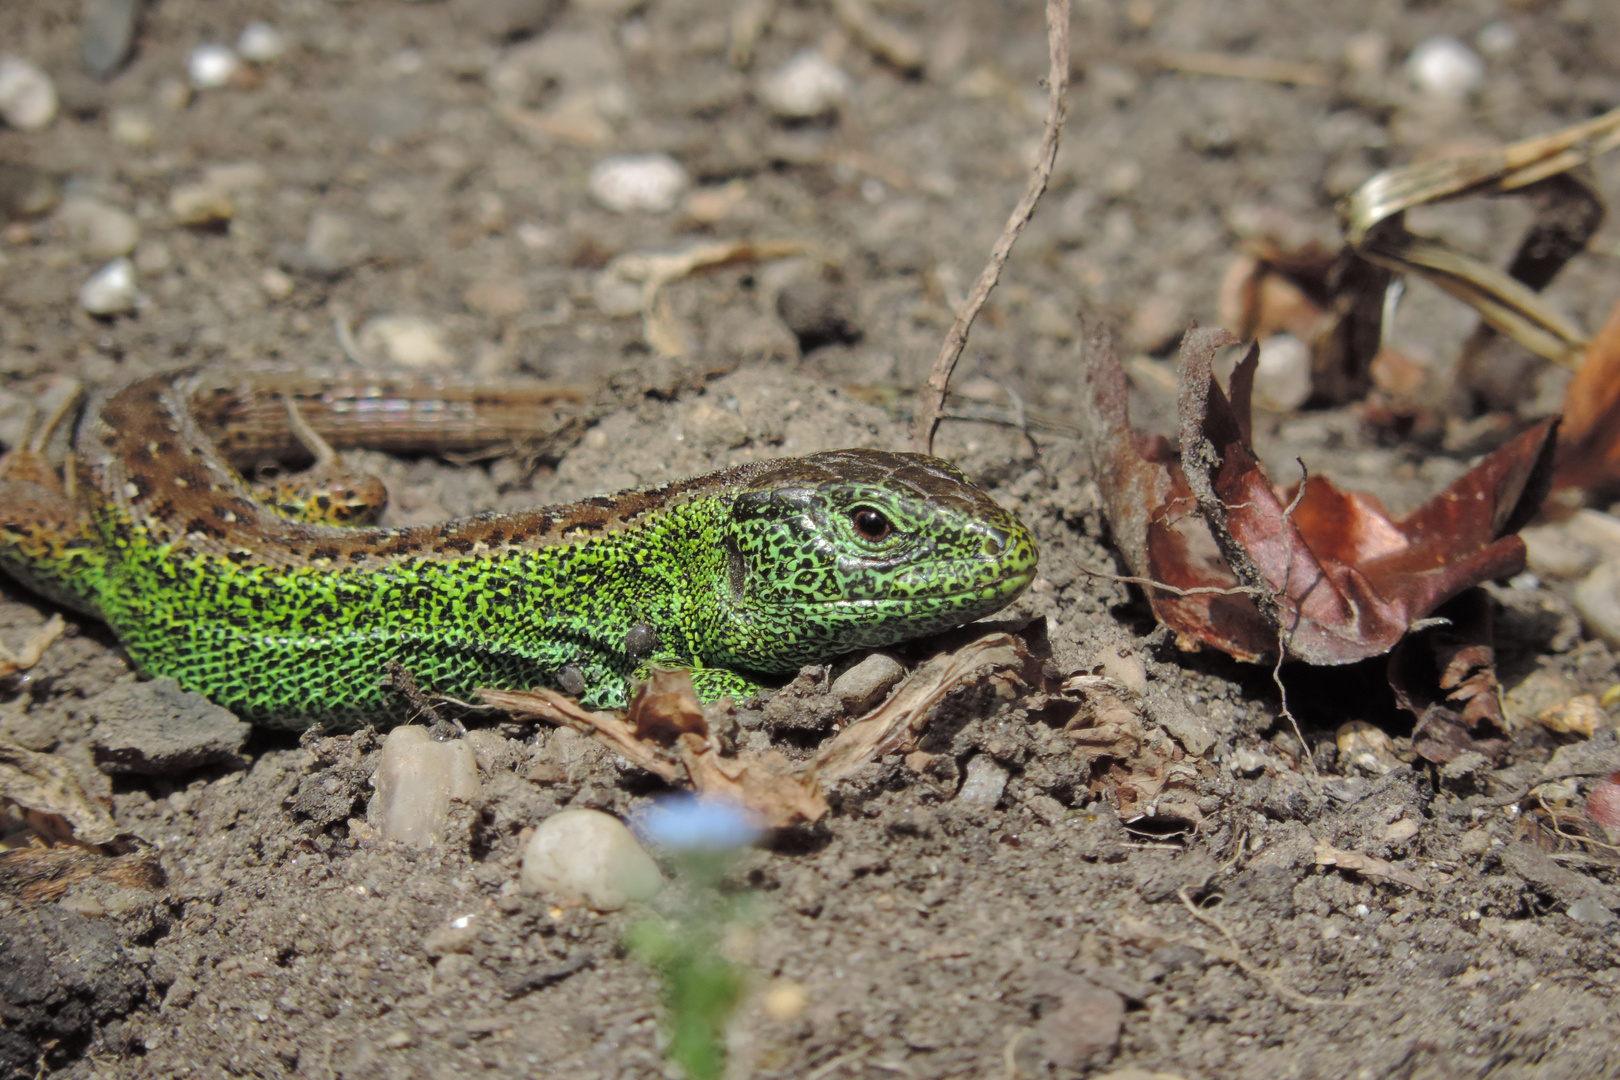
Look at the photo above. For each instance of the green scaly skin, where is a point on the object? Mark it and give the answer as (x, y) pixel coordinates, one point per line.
(744, 574)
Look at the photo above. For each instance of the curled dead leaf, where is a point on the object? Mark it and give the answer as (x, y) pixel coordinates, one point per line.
(53, 802)
(1368, 865)
(1322, 574)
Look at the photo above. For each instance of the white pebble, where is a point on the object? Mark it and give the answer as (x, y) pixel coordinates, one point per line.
(415, 782)
(986, 780)
(211, 66)
(276, 284)
(1282, 381)
(1598, 600)
(588, 857)
(807, 85)
(110, 290)
(407, 340)
(1444, 67)
(98, 230)
(638, 182)
(27, 95)
(260, 42)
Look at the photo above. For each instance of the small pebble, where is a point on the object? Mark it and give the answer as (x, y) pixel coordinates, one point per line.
(591, 858)
(407, 340)
(333, 244)
(1444, 67)
(1282, 380)
(1597, 598)
(1366, 747)
(261, 43)
(985, 782)
(106, 31)
(26, 192)
(868, 682)
(277, 284)
(99, 231)
(1120, 663)
(27, 95)
(211, 66)
(415, 782)
(1249, 762)
(1588, 910)
(650, 183)
(201, 205)
(1399, 832)
(807, 86)
(132, 127)
(110, 290)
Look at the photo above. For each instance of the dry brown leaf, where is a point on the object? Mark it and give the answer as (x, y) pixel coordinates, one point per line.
(665, 713)
(1370, 865)
(1245, 566)
(55, 805)
(767, 784)
(1136, 767)
(1589, 446)
(894, 725)
(1446, 677)
(555, 708)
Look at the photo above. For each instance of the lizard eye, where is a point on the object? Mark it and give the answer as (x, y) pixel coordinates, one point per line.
(871, 524)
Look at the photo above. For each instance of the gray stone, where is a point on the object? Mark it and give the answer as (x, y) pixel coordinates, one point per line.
(986, 780)
(106, 32)
(332, 245)
(868, 682)
(157, 729)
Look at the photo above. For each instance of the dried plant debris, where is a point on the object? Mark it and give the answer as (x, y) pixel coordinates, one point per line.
(1446, 677)
(54, 804)
(1335, 301)
(1314, 572)
(1589, 444)
(1136, 767)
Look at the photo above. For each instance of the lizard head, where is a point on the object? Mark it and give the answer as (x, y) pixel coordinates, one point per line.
(856, 549)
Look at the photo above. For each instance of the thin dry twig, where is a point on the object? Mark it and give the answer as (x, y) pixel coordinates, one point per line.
(1257, 68)
(1149, 583)
(1238, 958)
(1553, 819)
(939, 379)
(1282, 642)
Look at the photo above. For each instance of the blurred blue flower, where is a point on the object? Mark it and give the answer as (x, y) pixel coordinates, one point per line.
(688, 823)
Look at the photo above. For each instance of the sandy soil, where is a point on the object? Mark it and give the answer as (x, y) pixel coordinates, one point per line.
(446, 147)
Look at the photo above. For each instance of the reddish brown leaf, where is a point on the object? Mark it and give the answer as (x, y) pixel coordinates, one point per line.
(1589, 450)
(1330, 575)
(1446, 677)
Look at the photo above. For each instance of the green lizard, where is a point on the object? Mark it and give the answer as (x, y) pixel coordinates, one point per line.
(743, 574)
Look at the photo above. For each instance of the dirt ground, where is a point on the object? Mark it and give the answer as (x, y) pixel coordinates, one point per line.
(444, 150)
